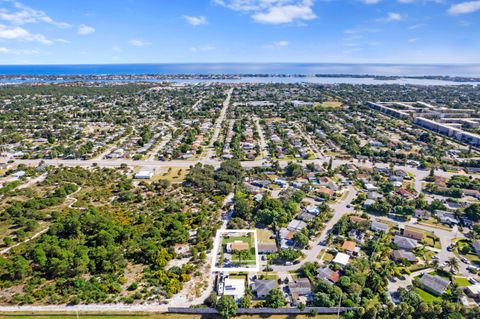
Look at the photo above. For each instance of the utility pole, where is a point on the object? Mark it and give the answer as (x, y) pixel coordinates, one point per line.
(339, 304)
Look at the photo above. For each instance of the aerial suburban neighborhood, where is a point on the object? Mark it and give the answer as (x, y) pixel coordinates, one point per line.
(239, 196)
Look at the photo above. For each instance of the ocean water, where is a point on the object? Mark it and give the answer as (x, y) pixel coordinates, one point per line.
(467, 70)
(246, 69)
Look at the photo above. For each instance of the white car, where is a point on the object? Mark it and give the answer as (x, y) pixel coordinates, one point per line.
(472, 280)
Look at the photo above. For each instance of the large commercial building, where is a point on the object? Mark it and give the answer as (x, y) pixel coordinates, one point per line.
(442, 120)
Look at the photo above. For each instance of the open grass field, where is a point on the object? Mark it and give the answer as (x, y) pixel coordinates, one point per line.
(173, 175)
(263, 236)
(246, 239)
(330, 104)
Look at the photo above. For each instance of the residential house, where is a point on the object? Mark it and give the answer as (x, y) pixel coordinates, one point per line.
(357, 234)
(341, 259)
(401, 255)
(144, 174)
(267, 248)
(446, 217)
(296, 225)
(405, 193)
(434, 284)
(324, 192)
(422, 214)
(327, 182)
(327, 275)
(285, 237)
(473, 291)
(261, 288)
(379, 227)
(370, 187)
(405, 242)
(476, 246)
(313, 209)
(237, 246)
(234, 288)
(349, 247)
(305, 216)
(368, 202)
(411, 233)
(301, 287)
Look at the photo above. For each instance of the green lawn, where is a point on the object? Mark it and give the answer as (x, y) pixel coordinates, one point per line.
(246, 239)
(461, 281)
(426, 296)
(328, 257)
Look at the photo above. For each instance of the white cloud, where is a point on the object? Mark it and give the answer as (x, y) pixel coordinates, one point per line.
(139, 43)
(26, 14)
(85, 29)
(203, 48)
(4, 50)
(19, 33)
(414, 40)
(371, 1)
(63, 41)
(273, 11)
(392, 17)
(277, 44)
(464, 7)
(416, 26)
(281, 43)
(196, 21)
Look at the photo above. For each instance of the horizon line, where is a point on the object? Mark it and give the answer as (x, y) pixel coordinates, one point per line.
(264, 63)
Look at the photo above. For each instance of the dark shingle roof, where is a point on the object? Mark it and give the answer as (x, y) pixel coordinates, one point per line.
(435, 283)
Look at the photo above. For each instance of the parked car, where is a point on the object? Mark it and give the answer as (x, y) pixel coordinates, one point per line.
(472, 280)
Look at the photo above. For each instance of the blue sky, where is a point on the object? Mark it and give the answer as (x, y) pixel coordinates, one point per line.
(170, 31)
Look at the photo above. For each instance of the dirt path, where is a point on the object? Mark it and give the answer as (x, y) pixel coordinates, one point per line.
(6, 250)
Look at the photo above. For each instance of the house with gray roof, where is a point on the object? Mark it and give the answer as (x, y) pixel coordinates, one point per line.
(327, 275)
(261, 288)
(401, 255)
(476, 246)
(405, 242)
(379, 227)
(306, 216)
(434, 284)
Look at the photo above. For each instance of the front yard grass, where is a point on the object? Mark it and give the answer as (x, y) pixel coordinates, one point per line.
(461, 281)
(426, 296)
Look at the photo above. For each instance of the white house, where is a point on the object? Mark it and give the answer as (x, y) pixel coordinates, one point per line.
(234, 287)
(341, 259)
(144, 174)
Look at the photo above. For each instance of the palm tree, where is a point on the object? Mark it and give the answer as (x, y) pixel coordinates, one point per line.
(452, 262)
(434, 264)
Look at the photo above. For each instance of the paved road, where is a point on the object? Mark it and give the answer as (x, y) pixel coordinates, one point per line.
(309, 140)
(263, 144)
(339, 209)
(221, 118)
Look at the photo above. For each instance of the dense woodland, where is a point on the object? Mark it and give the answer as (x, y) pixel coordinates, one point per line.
(85, 252)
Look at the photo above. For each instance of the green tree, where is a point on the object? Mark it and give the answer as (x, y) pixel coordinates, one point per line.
(246, 301)
(275, 299)
(226, 306)
(453, 264)
(300, 240)
(473, 212)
